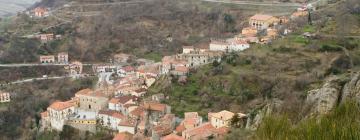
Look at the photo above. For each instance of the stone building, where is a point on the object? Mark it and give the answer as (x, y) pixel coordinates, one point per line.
(57, 114)
(90, 100)
(197, 58)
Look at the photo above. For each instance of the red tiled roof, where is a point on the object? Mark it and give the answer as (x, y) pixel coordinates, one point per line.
(127, 122)
(204, 129)
(172, 137)
(44, 114)
(181, 69)
(261, 17)
(122, 99)
(139, 111)
(128, 68)
(155, 106)
(89, 92)
(180, 128)
(58, 105)
(123, 136)
(112, 113)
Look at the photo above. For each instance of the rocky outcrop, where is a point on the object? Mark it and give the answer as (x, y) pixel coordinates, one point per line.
(351, 89)
(255, 120)
(324, 99)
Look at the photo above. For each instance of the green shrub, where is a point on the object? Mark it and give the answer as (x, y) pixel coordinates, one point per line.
(330, 48)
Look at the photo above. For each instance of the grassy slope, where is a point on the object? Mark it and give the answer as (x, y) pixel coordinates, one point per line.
(286, 69)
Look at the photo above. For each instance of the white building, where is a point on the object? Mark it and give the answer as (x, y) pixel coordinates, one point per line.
(127, 126)
(110, 118)
(4, 97)
(229, 45)
(59, 112)
(119, 104)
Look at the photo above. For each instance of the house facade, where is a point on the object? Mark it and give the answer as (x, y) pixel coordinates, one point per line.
(63, 58)
(90, 100)
(47, 59)
(261, 21)
(110, 118)
(75, 68)
(41, 12)
(58, 113)
(229, 45)
(4, 97)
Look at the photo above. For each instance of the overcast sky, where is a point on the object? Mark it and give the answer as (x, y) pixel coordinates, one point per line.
(10, 7)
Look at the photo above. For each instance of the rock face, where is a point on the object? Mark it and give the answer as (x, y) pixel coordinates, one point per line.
(351, 89)
(253, 123)
(324, 99)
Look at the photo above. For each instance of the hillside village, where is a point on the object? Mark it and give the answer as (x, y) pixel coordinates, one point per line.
(120, 103)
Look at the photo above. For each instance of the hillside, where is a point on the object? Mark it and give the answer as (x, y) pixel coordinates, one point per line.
(272, 83)
(277, 78)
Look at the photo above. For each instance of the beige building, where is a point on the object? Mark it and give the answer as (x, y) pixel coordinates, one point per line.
(46, 59)
(63, 58)
(197, 58)
(46, 37)
(4, 97)
(249, 32)
(222, 118)
(260, 21)
(41, 12)
(75, 68)
(90, 100)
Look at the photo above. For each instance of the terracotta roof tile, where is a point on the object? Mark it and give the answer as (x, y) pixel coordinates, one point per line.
(155, 106)
(112, 113)
(261, 17)
(58, 105)
(123, 136)
(44, 114)
(172, 137)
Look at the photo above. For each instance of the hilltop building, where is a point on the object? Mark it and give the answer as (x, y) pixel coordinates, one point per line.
(47, 59)
(41, 12)
(63, 58)
(260, 21)
(4, 97)
(91, 100)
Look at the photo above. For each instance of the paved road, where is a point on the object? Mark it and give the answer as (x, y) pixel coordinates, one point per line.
(35, 64)
(110, 3)
(37, 79)
(256, 3)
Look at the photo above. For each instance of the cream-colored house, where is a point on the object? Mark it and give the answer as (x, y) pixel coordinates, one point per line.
(222, 118)
(260, 21)
(4, 97)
